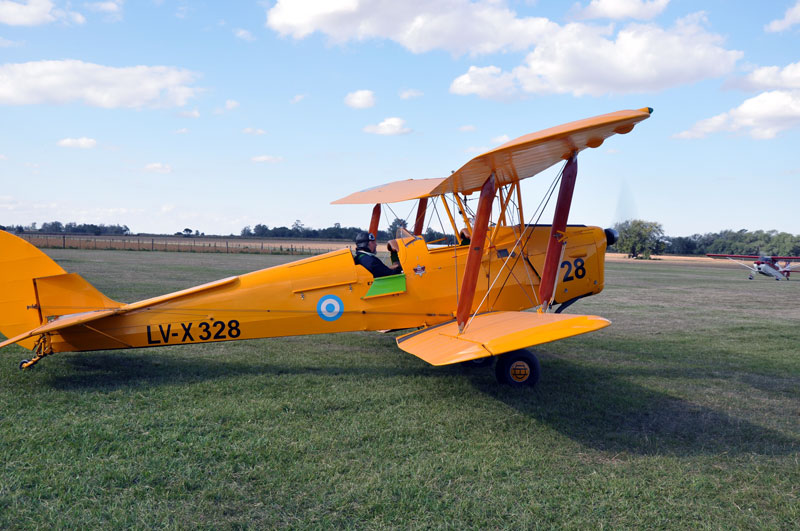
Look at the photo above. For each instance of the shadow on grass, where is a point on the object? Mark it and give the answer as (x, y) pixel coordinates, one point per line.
(109, 371)
(602, 410)
(597, 407)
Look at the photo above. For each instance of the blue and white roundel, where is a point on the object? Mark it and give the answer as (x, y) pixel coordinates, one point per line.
(330, 307)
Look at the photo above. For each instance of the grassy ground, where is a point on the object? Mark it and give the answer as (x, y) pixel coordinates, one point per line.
(684, 413)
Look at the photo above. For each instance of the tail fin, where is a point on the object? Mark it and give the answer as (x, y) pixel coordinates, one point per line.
(35, 289)
(20, 263)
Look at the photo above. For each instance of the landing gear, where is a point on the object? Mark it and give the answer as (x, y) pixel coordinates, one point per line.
(42, 349)
(518, 368)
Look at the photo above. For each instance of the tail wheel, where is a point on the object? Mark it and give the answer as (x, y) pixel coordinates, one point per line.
(519, 368)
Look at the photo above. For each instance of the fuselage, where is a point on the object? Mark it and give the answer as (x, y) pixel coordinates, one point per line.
(330, 293)
(768, 267)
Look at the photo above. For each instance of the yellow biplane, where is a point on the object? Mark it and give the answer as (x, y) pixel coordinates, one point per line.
(466, 301)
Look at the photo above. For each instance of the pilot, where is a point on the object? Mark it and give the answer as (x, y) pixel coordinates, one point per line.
(464, 234)
(365, 256)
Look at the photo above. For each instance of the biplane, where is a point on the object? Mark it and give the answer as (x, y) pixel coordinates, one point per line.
(464, 303)
(768, 266)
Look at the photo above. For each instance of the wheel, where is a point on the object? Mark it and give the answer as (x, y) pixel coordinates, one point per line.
(22, 363)
(478, 363)
(519, 368)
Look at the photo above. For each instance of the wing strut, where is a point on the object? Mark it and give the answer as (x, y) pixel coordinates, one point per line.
(556, 241)
(376, 217)
(479, 229)
(419, 224)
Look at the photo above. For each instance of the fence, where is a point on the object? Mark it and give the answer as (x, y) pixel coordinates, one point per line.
(181, 244)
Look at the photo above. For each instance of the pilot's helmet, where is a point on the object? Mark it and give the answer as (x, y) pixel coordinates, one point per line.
(363, 239)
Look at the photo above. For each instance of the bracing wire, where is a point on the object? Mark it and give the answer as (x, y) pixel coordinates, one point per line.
(542, 205)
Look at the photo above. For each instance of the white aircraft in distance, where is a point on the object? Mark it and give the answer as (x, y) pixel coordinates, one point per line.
(765, 265)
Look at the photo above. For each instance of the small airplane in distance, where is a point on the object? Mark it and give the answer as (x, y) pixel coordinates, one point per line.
(463, 302)
(764, 265)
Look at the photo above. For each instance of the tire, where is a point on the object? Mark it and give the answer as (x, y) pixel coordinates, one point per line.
(519, 368)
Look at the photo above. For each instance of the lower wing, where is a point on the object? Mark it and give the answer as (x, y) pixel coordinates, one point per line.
(494, 333)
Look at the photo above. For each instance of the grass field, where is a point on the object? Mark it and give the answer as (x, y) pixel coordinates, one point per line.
(685, 413)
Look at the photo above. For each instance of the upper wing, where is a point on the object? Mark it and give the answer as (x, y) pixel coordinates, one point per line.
(513, 161)
(391, 192)
(742, 256)
(494, 333)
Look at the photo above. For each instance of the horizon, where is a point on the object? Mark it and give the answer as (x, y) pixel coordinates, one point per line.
(288, 226)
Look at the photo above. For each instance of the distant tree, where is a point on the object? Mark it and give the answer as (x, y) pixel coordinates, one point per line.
(396, 224)
(246, 232)
(439, 237)
(187, 232)
(640, 238)
(298, 229)
(52, 226)
(261, 231)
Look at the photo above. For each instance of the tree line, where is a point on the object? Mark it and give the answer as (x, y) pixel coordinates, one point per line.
(637, 238)
(56, 227)
(336, 232)
(641, 239)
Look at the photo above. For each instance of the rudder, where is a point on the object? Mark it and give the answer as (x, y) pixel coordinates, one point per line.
(20, 263)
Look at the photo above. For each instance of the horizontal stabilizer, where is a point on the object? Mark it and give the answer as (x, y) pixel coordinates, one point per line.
(494, 333)
(66, 321)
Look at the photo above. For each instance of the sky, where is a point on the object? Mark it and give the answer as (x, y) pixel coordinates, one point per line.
(170, 114)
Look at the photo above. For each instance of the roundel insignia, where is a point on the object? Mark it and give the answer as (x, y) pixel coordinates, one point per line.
(330, 308)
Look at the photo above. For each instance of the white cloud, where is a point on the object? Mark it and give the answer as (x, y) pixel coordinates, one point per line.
(267, 158)
(35, 13)
(158, 167)
(467, 128)
(182, 131)
(111, 6)
(390, 126)
(487, 82)
(297, 98)
(82, 142)
(194, 113)
(790, 18)
(499, 140)
(410, 94)
(5, 43)
(581, 59)
(458, 26)
(360, 99)
(253, 131)
(30, 13)
(773, 77)
(244, 35)
(3, 157)
(231, 104)
(109, 87)
(618, 9)
(762, 117)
